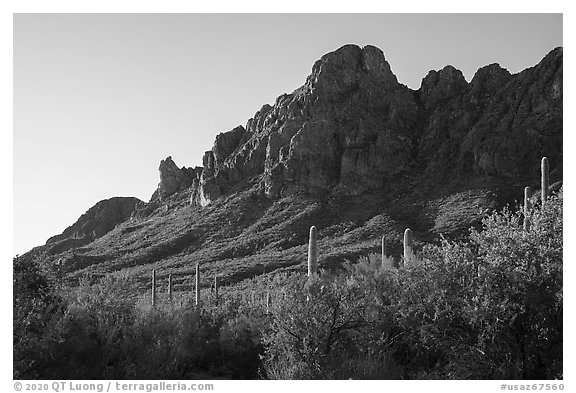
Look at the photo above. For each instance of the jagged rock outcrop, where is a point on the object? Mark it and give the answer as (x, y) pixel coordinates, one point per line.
(226, 143)
(497, 126)
(521, 121)
(486, 82)
(352, 127)
(348, 128)
(96, 222)
(174, 179)
(217, 173)
(442, 85)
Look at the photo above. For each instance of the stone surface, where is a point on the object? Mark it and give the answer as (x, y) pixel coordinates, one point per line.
(346, 129)
(520, 122)
(442, 85)
(98, 220)
(352, 128)
(174, 179)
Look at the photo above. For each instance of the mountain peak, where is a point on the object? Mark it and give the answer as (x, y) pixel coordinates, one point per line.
(441, 85)
(349, 66)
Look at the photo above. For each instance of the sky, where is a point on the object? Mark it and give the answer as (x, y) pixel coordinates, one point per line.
(100, 99)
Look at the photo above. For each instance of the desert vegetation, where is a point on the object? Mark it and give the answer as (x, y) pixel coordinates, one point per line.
(485, 306)
(394, 198)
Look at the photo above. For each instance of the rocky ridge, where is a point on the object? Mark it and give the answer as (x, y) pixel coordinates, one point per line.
(352, 128)
(96, 222)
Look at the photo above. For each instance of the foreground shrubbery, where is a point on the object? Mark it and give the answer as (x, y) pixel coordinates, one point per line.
(35, 307)
(102, 334)
(490, 307)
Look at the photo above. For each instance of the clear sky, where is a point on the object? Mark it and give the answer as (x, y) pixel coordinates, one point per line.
(100, 99)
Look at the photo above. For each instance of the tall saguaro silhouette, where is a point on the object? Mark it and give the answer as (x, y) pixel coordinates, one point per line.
(312, 252)
(408, 244)
(197, 283)
(384, 244)
(153, 287)
(545, 182)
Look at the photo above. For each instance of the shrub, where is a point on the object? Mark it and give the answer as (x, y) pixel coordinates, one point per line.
(488, 307)
(102, 334)
(86, 342)
(321, 330)
(35, 307)
(518, 308)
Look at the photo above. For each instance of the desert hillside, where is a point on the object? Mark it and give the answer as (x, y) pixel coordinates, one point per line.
(354, 153)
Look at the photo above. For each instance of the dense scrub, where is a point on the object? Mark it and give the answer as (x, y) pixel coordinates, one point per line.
(489, 307)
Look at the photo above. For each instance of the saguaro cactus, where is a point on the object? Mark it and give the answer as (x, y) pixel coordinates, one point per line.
(216, 286)
(267, 302)
(312, 252)
(170, 287)
(197, 284)
(384, 244)
(527, 208)
(408, 244)
(153, 287)
(545, 182)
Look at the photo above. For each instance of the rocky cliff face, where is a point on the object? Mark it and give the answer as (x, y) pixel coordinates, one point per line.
(352, 127)
(497, 125)
(174, 179)
(96, 222)
(347, 129)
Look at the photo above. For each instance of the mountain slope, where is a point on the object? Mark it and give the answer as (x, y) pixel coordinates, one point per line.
(353, 152)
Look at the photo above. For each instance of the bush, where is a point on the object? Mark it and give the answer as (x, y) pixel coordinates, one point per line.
(35, 307)
(101, 334)
(518, 308)
(322, 329)
(86, 341)
(489, 307)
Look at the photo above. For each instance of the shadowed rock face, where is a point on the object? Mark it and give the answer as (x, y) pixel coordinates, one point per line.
(346, 129)
(520, 121)
(442, 85)
(353, 128)
(98, 220)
